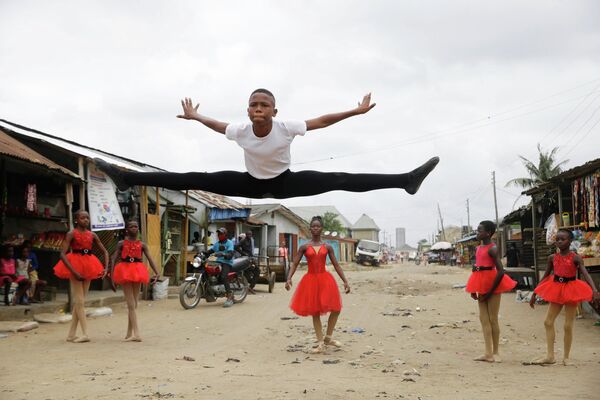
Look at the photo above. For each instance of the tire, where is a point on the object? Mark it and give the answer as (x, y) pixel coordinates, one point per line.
(252, 275)
(240, 295)
(272, 279)
(189, 294)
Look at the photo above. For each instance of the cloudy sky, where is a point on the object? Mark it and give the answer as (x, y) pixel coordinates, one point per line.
(475, 82)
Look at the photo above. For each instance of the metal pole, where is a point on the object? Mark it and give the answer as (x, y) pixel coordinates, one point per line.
(499, 236)
(468, 217)
(442, 223)
(495, 200)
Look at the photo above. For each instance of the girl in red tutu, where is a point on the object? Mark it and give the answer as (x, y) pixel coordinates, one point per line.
(80, 266)
(560, 287)
(130, 273)
(486, 283)
(317, 293)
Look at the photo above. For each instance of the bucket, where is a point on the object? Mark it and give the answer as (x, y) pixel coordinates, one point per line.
(566, 219)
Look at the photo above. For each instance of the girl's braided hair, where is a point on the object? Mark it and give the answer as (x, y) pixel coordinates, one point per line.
(317, 218)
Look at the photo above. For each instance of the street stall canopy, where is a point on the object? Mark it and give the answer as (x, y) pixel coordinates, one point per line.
(442, 246)
(15, 149)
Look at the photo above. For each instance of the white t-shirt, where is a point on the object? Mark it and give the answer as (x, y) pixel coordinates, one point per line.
(269, 156)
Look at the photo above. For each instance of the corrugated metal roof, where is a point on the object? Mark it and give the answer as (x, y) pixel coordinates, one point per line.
(13, 148)
(365, 222)
(572, 173)
(207, 198)
(76, 148)
(216, 200)
(307, 212)
(262, 209)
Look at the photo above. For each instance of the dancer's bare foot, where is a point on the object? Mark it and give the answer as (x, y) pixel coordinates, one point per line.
(83, 339)
(485, 358)
(497, 358)
(419, 174)
(542, 361)
(568, 363)
(319, 349)
(133, 339)
(332, 342)
(71, 338)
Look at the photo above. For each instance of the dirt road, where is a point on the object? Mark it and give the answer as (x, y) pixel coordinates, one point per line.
(419, 338)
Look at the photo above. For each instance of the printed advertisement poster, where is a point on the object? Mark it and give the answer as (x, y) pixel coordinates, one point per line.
(105, 213)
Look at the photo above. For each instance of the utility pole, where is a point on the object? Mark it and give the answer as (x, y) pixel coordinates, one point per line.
(499, 234)
(468, 217)
(442, 223)
(495, 200)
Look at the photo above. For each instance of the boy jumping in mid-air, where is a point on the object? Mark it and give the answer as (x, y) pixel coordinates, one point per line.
(266, 143)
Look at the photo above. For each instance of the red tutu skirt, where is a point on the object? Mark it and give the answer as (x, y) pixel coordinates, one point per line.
(88, 266)
(126, 272)
(482, 281)
(571, 292)
(316, 294)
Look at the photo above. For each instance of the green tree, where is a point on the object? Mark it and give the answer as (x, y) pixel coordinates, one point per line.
(546, 168)
(332, 224)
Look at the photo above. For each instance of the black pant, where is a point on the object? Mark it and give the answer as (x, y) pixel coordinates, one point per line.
(287, 184)
(225, 269)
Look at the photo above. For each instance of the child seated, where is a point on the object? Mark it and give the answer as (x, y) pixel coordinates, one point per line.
(8, 275)
(26, 268)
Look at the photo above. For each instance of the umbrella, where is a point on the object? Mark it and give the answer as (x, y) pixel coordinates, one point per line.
(442, 246)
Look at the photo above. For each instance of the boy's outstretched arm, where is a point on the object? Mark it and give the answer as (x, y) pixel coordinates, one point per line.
(191, 112)
(330, 119)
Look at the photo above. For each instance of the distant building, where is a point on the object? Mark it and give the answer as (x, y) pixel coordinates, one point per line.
(307, 212)
(365, 228)
(400, 237)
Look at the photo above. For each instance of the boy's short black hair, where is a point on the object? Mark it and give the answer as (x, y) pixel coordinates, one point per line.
(567, 231)
(489, 227)
(265, 91)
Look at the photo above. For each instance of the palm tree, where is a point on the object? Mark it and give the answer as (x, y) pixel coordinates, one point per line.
(546, 168)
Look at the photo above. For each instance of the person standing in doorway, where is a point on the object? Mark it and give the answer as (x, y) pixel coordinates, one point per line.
(512, 256)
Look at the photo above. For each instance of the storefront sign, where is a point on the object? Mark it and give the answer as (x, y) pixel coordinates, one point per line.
(31, 197)
(105, 213)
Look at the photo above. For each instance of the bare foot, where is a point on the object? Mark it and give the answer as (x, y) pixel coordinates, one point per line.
(319, 349)
(568, 363)
(542, 361)
(83, 339)
(497, 358)
(133, 339)
(485, 358)
(332, 342)
(71, 338)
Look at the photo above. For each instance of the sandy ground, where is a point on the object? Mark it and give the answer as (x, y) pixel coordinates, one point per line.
(252, 351)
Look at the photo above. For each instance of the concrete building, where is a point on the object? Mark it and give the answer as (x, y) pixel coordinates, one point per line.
(365, 228)
(400, 238)
(307, 212)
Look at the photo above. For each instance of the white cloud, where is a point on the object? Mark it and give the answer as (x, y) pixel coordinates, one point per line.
(111, 74)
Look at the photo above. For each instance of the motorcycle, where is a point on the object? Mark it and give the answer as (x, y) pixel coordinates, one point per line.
(205, 281)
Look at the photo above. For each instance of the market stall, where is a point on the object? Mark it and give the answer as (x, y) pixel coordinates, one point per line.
(36, 203)
(570, 200)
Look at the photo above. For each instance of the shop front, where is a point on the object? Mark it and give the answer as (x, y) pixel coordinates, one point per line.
(36, 204)
(570, 200)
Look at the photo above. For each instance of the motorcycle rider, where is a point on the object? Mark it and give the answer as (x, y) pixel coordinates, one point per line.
(246, 248)
(223, 249)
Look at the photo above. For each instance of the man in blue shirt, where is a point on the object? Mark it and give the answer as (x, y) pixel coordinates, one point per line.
(223, 249)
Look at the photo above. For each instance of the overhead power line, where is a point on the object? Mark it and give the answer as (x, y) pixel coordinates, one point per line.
(491, 119)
